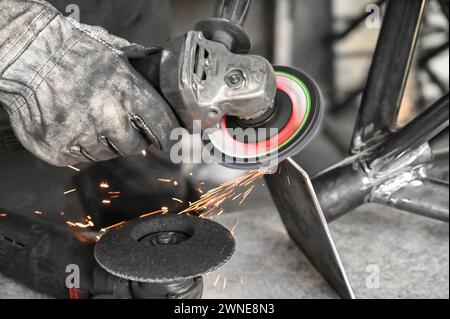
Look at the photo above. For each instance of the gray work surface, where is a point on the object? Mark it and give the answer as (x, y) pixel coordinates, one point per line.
(411, 253)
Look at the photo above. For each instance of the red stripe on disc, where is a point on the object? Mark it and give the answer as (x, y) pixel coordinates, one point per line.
(286, 132)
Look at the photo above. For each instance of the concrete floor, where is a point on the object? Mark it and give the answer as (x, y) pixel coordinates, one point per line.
(412, 254)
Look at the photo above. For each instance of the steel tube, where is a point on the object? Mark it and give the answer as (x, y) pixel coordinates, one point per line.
(235, 11)
(419, 131)
(352, 183)
(389, 71)
(340, 190)
(426, 197)
(432, 53)
(444, 7)
(439, 169)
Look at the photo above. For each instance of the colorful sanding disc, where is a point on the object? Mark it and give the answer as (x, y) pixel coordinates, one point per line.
(304, 106)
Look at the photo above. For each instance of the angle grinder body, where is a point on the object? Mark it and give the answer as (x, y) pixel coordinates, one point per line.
(254, 115)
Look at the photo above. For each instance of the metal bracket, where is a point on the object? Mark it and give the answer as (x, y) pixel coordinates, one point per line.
(296, 200)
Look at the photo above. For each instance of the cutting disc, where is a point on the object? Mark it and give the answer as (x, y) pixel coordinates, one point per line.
(283, 131)
(165, 248)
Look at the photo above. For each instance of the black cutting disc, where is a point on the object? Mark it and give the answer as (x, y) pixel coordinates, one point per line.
(164, 248)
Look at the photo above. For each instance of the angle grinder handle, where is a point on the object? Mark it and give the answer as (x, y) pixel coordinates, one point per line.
(40, 255)
(235, 11)
(226, 25)
(232, 15)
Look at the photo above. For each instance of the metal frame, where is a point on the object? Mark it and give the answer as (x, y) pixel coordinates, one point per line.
(422, 63)
(386, 165)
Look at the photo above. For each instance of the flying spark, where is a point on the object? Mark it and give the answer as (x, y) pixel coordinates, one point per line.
(104, 184)
(217, 280)
(111, 227)
(233, 189)
(246, 194)
(80, 225)
(114, 194)
(177, 200)
(162, 211)
(70, 191)
(234, 228)
(74, 168)
(88, 223)
(151, 213)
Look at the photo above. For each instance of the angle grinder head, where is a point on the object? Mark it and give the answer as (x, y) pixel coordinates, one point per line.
(281, 132)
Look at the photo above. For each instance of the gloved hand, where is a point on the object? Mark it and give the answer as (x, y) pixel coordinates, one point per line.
(69, 90)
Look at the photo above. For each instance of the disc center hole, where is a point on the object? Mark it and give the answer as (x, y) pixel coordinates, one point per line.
(164, 238)
(163, 234)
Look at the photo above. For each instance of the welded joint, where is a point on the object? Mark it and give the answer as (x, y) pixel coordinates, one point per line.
(359, 145)
(411, 188)
(389, 167)
(383, 192)
(357, 179)
(386, 175)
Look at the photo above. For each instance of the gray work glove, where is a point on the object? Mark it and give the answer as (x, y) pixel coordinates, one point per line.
(69, 90)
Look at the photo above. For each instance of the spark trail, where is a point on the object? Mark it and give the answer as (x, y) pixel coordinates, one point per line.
(240, 187)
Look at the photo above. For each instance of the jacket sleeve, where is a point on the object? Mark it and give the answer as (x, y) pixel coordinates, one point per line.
(20, 21)
(68, 87)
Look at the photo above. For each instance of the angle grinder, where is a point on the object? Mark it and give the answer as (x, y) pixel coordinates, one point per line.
(159, 257)
(254, 115)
